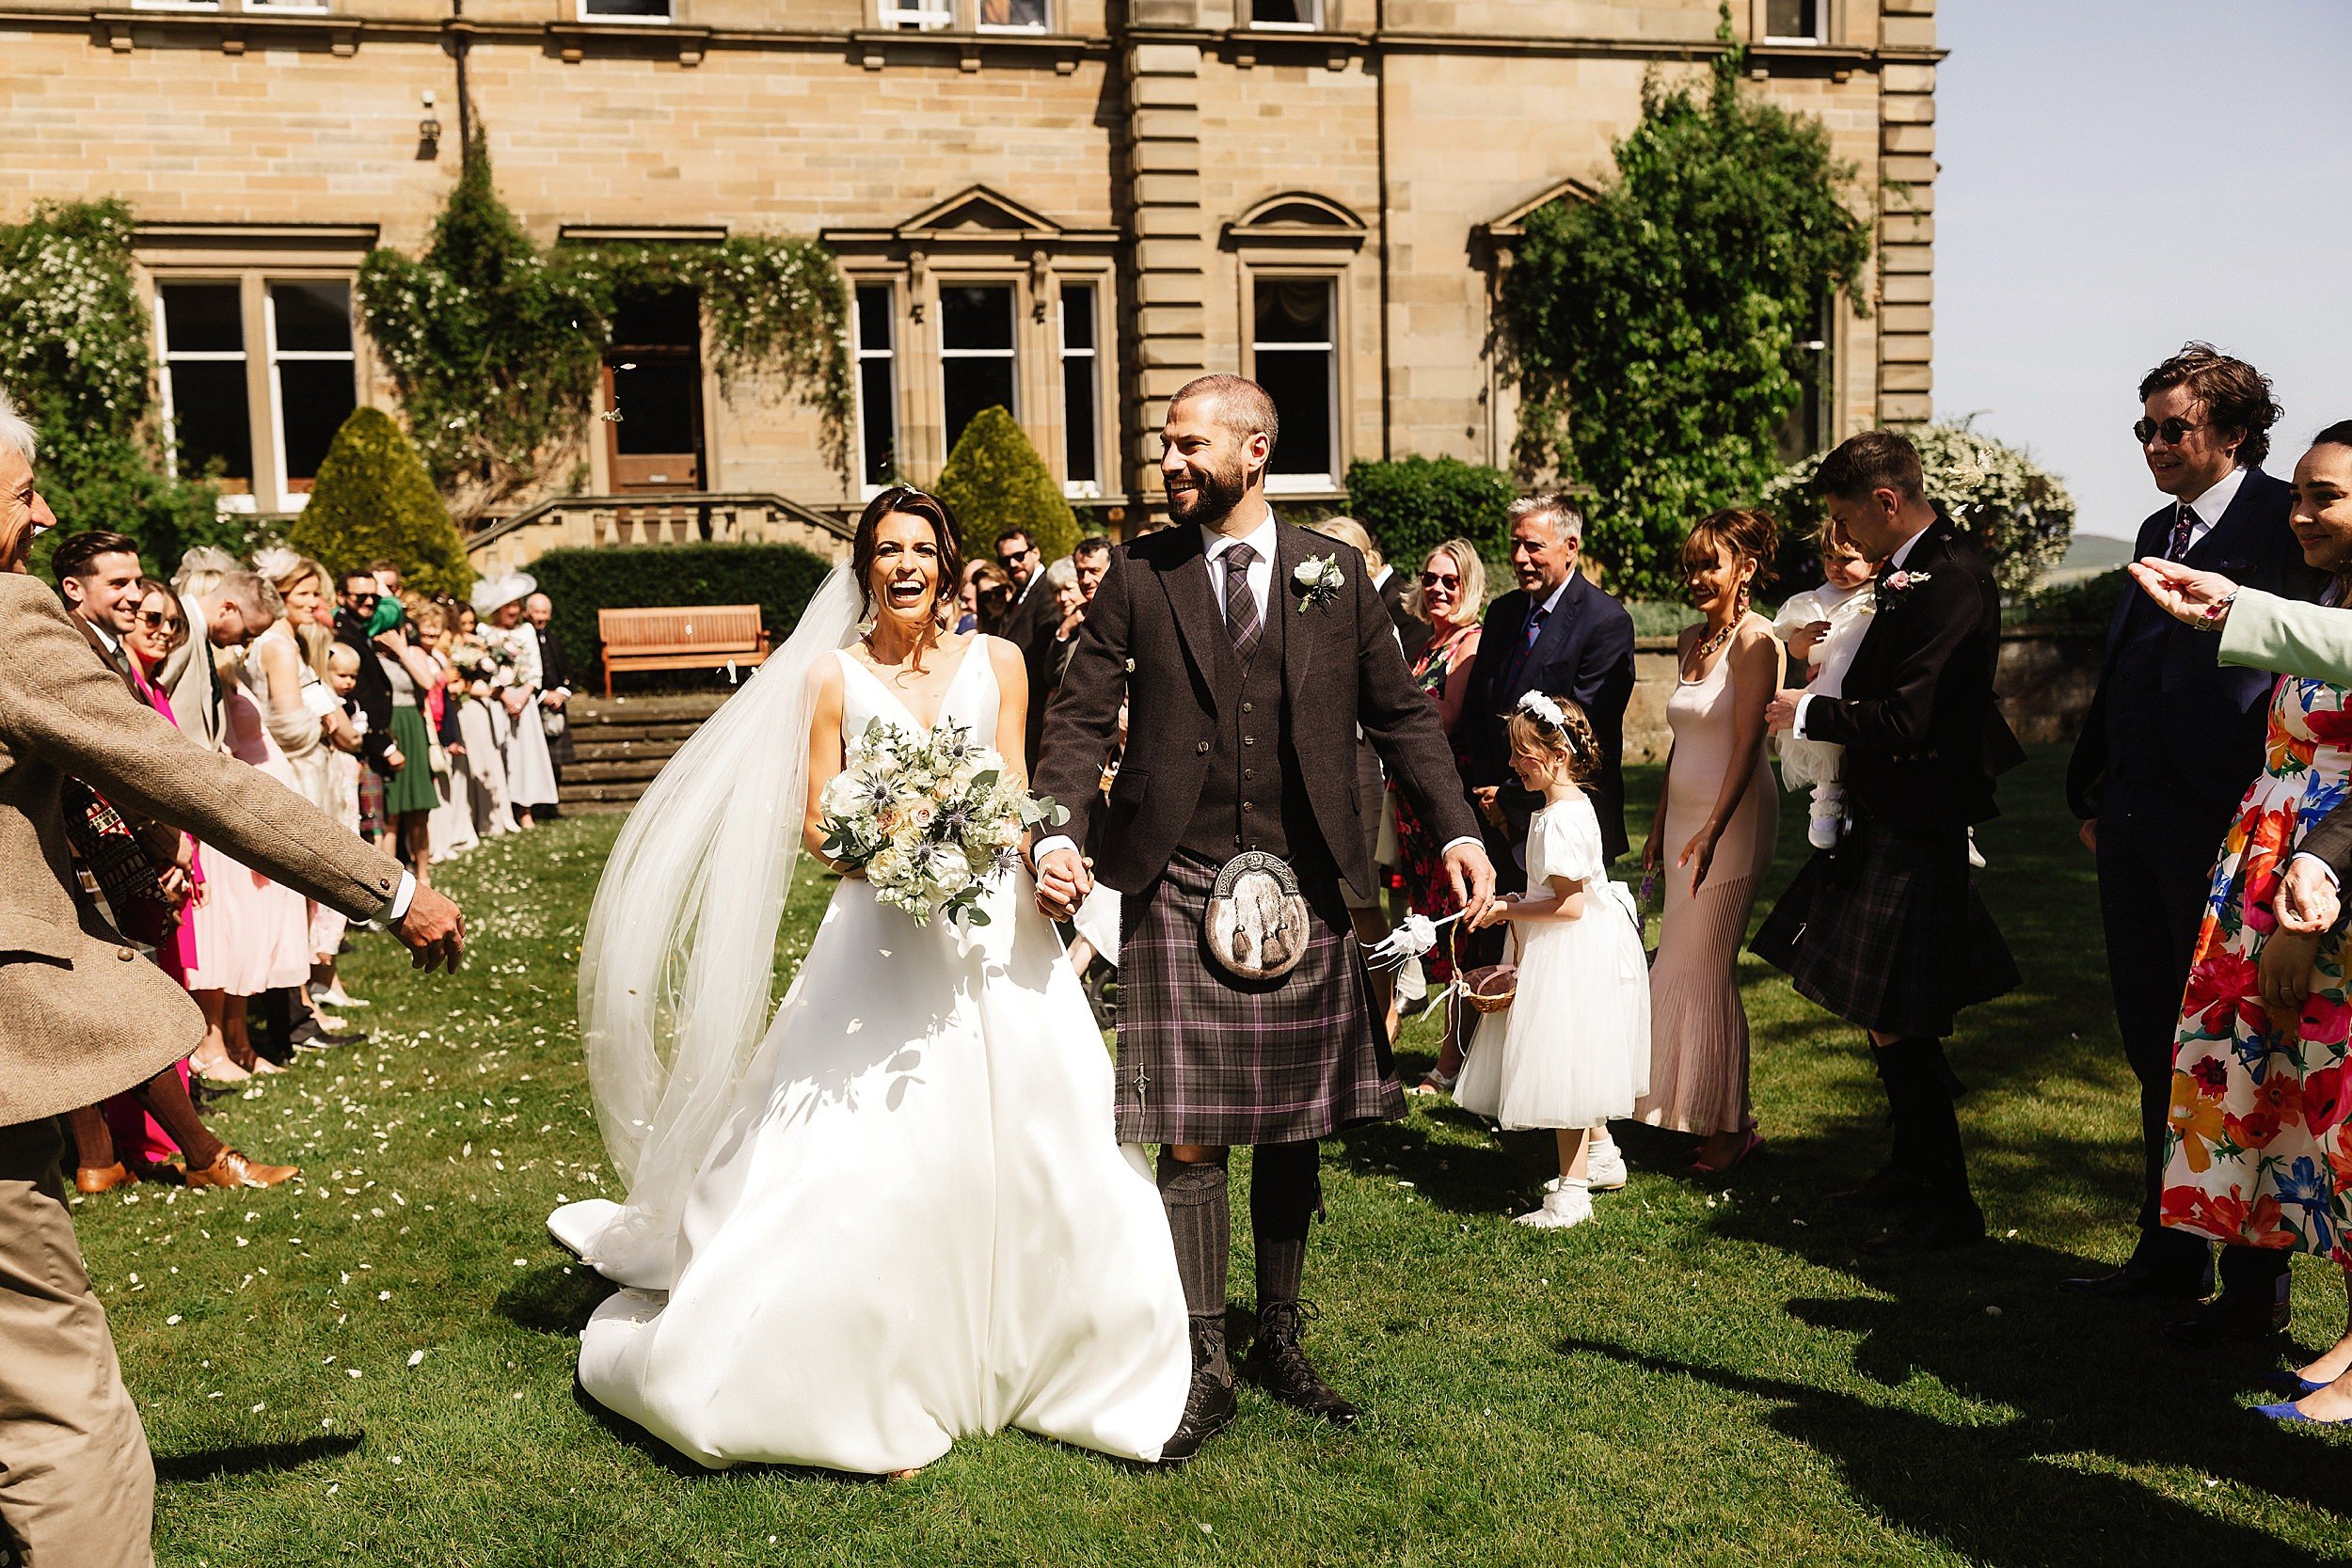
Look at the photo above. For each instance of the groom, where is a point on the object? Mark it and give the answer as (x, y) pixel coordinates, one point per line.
(1246, 686)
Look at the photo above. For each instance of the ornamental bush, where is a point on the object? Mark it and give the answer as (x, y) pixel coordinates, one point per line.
(994, 480)
(2016, 511)
(780, 579)
(1414, 504)
(373, 500)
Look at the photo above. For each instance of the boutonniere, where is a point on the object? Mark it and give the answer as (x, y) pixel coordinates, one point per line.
(1318, 580)
(1895, 585)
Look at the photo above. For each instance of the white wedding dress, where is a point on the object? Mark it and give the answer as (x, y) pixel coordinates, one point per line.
(912, 1221)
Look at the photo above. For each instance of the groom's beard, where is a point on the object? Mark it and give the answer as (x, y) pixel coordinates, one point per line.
(1211, 499)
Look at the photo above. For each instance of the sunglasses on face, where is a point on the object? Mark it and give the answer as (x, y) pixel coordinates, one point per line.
(1439, 580)
(2172, 430)
(159, 620)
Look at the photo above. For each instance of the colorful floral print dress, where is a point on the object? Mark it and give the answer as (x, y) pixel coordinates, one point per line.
(2258, 1152)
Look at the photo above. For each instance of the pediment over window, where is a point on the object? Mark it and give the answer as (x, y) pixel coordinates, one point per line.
(1295, 217)
(1508, 227)
(974, 216)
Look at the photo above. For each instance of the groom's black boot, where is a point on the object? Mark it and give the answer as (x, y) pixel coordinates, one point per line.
(1285, 1190)
(1208, 1407)
(1199, 1223)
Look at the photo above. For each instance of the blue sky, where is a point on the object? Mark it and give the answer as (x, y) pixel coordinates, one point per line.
(2119, 176)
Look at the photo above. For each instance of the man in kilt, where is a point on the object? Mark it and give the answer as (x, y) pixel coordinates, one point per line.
(1250, 654)
(1886, 931)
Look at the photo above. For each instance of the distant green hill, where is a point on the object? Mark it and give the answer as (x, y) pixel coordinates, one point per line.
(2090, 554)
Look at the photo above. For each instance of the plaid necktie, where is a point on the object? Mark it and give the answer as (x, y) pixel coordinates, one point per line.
(2182, 521)
(1241, 606)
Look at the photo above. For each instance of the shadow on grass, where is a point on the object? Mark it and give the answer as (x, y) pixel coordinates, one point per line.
(554, 1300)
(244, 1458)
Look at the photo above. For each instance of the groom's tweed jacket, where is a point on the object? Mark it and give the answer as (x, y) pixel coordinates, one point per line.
(82, 1014)
(1154, 637)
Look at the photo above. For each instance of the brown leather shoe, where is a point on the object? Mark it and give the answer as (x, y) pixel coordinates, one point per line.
(103, 1178)
(234, 1169)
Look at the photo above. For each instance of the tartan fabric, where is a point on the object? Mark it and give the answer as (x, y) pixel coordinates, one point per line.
(374, 822)
(1241, 606)
(1205, 1058)
(1888, 931)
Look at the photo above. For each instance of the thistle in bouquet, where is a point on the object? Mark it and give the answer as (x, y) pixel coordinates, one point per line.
(929, 818)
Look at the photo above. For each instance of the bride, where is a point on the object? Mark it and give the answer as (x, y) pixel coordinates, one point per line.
(896, 1215)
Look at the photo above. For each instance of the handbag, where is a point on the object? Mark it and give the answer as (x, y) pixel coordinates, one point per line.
(117, 863)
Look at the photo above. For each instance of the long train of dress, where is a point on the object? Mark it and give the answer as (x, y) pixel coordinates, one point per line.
(916, 1224)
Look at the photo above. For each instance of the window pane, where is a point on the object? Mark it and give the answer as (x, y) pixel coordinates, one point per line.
(1294, 311)
(314, 398)
(976, 315)
(665, 317)
(1077, 316)
(656, 404)
(878, 410)
(972, 385)
(1300, 385)
(1012, 13)
(624, 8)
(203, 318)
(1292, 13)
(312, 317)
(209, 422)
(1790, 19)
(873, 317)
(1078, 387)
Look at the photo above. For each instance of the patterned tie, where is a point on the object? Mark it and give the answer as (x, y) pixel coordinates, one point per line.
(2181, 523)
(1518, 666)
(1241, 606)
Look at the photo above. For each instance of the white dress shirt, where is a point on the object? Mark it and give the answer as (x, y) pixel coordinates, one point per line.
(2206, 510)
(1893, 564)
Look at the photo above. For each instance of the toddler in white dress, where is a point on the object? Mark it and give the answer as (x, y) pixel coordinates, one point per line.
(1572, 1049)
(1823, 628)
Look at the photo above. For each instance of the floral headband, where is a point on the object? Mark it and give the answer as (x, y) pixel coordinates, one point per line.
(1547, 713)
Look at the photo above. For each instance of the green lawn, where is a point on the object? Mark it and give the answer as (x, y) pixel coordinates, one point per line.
(375, 1365)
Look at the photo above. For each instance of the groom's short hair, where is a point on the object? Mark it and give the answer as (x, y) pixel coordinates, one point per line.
(1874, 460)
(1243, 407)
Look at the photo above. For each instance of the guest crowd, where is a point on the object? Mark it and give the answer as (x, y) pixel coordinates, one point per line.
(419, 723)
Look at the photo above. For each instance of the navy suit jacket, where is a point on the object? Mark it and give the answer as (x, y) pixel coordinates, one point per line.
(2213, 717)
(1585, 652)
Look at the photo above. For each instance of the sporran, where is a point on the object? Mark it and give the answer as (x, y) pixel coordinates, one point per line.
(1255, 924)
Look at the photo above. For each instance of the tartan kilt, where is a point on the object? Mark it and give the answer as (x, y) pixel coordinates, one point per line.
(1888, 931)
(1207, 1058)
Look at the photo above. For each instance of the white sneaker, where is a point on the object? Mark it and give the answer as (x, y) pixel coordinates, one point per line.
(1604, 1169)
(1569, 1206)
(1821, 832)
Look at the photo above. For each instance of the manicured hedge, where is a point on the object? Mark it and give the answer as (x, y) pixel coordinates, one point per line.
(780, 579)
(1414, 504)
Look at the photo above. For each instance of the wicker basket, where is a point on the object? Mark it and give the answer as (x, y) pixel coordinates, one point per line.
(1489, 987)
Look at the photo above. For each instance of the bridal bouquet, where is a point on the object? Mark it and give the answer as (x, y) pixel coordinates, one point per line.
(480, 669)
(929, 818)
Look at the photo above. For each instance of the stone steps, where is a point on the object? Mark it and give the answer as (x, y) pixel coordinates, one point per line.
(619, 744)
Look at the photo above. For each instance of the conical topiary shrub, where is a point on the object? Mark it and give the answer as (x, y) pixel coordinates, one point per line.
(994, 480)
(372, 501)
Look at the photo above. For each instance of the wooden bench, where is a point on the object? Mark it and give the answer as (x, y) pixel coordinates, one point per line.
(688, 637)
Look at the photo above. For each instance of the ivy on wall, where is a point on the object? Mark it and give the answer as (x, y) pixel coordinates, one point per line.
(75, 355)
(496, 346)
(1660, 328)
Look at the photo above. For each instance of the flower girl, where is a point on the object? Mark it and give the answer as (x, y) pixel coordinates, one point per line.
(1823, 628)
(1572, 1051)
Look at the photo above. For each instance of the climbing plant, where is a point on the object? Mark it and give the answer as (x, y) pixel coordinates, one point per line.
(496, 344)
(1660, 328)
(75, 355)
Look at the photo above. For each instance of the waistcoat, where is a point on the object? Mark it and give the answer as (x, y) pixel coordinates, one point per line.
(1254, 797)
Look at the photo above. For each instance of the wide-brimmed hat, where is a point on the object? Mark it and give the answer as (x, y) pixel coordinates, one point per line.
(492, 595)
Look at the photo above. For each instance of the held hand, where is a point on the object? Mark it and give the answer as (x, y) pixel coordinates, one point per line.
(2183, 593)
(550, 699)
(1801, 640)
(1780, 715)
(1699, 854)
(1474, 878)
(173, 882)
(433, 931)
(1495, 913)
(2088, 833)
(2307, 901)
(2285, 970)
(1064, 877)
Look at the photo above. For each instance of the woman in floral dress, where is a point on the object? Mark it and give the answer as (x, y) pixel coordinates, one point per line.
(2258, 1152)
(1451, 591)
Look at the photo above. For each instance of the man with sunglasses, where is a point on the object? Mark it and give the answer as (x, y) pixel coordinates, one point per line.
(2171, 743)
(355, 599)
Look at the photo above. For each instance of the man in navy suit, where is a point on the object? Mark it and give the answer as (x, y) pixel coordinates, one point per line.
(2171, 743)
(1559, 635)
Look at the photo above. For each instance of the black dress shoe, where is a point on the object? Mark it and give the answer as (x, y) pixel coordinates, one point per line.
(1278, 1364)
(2229, 1320)
(1890, 1189)
(2137, 1281)
(1928, 1230)
(310, 1036)
(1208, 1410)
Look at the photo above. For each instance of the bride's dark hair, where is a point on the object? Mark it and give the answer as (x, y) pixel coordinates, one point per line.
(907, 500)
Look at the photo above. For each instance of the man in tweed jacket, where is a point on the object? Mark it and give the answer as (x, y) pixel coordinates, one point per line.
(83, 1016)
(1250, 654)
